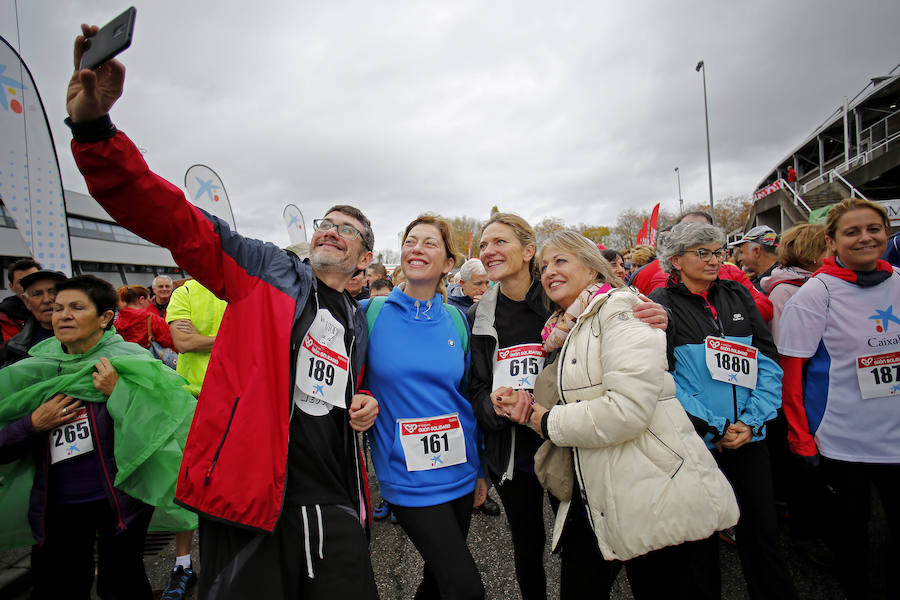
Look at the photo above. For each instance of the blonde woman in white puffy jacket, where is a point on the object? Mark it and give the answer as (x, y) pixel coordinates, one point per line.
(645, 485)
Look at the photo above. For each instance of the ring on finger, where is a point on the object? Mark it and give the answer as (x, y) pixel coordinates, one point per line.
(65, 410)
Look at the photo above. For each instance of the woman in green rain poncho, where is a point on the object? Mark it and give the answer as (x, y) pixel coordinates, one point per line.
(92, 430)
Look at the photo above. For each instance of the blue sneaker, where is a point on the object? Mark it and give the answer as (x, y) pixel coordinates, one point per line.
(394, 518)
(179, 581)
(382, 511)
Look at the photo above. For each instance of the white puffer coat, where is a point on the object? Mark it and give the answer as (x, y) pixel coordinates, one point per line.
(646, 478)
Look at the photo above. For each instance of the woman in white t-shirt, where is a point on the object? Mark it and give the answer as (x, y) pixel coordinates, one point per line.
(839, 342)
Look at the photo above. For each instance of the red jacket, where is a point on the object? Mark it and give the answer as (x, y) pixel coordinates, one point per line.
(13, 315)
(131, 324)
(727, 272)
(235, 460)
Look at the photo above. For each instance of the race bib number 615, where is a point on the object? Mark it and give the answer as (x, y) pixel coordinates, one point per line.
(517, 367)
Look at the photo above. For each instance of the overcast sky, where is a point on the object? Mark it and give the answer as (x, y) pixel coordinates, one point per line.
(576, 110)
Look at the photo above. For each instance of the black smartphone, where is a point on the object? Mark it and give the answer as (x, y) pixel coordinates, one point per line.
(112, 38)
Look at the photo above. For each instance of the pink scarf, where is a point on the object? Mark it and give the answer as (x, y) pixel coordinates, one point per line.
(561, 322)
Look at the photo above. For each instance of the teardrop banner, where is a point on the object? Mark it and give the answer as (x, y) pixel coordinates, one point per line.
(296, 226)
(206, 191)
(30, 182)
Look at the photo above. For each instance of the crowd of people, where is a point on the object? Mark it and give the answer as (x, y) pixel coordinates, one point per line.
(660, 398)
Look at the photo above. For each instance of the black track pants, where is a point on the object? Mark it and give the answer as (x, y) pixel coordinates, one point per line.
(317, 552)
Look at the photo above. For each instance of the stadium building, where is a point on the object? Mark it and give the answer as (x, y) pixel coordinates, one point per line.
(98, 245)
(855, 152)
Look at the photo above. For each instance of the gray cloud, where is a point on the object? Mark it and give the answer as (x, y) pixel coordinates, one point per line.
(576, 110)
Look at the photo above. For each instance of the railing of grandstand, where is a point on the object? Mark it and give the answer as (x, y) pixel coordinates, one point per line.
(781, 184)
(833, 174)
(797, 199)
(876, 139)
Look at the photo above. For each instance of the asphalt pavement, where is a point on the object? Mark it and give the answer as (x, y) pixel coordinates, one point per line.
(398, 566)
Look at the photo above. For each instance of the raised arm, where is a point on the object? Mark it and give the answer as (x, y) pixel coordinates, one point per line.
(117, 177)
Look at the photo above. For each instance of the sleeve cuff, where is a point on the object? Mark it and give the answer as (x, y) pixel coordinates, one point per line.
(544, 431)
(92, 131)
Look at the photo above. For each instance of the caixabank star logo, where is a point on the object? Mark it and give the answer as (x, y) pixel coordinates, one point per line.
(884, 318)
(8, 92)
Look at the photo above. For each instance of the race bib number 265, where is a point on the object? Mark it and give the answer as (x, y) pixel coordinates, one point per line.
(72, 439)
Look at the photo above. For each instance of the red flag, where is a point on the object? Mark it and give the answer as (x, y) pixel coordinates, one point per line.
(643, 236)
(654, 222)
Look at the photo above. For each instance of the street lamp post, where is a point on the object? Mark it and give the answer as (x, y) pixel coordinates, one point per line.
(712, 208)
(680, 199)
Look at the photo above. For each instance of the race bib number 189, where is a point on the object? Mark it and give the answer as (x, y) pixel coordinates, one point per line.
(731, 362)
(322, 363)
(433, 442)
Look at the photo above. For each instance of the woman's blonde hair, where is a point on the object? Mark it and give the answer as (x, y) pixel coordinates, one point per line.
(442, 225)
(643, 255)
(846, 205)
(586, 251)
(523, 232)
(802, 246)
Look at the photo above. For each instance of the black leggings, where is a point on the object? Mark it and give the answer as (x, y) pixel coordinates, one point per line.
(64, 566)
(765, 568)
(848, 525)
(439, 534)
(586, 575)
(523, 501)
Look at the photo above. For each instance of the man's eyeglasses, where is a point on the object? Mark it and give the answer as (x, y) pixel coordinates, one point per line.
(40, 293)
(704, 254)
(348, 232)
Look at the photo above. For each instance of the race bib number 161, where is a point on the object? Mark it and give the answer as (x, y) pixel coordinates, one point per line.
(433, 442)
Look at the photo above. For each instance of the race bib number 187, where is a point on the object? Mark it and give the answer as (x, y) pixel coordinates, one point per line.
(879, 375)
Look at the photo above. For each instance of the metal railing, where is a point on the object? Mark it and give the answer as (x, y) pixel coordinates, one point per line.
(781, 184)
(876, 139)
(798, 201)
(833, 174)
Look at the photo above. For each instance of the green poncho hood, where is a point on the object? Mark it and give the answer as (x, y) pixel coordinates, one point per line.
(151, 412)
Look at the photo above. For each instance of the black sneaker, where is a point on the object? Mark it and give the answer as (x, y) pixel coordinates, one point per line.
(180, 580)
(489, 507)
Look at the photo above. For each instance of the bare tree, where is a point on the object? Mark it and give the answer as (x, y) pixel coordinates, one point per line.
(547, 226)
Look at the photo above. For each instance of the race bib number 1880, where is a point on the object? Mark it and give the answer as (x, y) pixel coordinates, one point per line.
(433, 442)
(731, 362)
